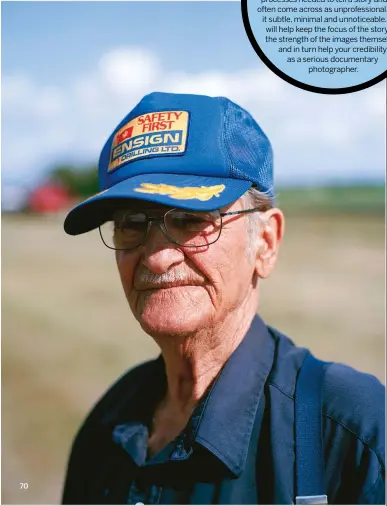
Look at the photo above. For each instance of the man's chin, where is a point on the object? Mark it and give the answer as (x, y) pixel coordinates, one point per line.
(176, 311)
(173, 324)
(173, 321)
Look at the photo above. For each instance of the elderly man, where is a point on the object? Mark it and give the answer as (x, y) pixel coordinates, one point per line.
(186, 203)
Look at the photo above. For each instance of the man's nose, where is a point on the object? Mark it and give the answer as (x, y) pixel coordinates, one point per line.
(159, 253)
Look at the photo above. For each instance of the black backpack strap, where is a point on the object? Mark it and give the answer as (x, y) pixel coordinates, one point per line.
(310, 475)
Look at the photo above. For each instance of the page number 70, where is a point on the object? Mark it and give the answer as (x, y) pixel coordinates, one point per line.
(23, 486)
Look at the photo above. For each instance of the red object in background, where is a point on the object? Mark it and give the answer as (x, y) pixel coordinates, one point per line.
(49, 198)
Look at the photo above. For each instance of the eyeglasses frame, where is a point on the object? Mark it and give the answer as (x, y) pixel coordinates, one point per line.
(161, 221)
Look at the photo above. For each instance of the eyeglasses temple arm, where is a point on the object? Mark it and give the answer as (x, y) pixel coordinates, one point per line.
(243, 211)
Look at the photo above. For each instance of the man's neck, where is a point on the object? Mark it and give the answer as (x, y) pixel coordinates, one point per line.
(193, 364)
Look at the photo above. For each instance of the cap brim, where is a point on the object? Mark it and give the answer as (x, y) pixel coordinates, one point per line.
(174, 190)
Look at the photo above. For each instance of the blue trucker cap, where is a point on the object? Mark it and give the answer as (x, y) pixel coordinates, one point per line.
(187, 151)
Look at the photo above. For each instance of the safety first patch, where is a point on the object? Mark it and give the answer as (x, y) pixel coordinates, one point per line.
(149, 135)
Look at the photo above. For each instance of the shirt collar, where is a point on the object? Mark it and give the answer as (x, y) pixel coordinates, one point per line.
(226, 421)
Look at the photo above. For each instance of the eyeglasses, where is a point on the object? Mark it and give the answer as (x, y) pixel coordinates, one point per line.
(129, 228)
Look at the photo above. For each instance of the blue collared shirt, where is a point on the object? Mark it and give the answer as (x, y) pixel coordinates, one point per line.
(238, 446)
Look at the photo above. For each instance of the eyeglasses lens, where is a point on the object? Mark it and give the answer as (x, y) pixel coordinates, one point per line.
(193, 229)
(126, 232)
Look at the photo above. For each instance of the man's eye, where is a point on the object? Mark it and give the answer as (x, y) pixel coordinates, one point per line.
(192, 220)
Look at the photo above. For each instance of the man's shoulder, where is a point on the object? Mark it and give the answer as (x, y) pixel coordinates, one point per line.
(356, 401)
(354, 432)
(352, 399)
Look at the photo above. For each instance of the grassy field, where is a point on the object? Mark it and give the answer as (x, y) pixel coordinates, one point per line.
(333, 200)
(67, 332)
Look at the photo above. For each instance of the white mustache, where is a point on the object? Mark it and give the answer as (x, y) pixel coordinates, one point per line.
(169, 277)
(165, 277)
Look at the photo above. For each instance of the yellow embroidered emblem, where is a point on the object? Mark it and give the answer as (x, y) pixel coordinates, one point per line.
(185, 193)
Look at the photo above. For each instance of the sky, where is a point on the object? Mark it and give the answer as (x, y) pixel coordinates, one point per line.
(71, 71)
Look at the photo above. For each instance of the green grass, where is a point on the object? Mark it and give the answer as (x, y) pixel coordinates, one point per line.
(335, 199)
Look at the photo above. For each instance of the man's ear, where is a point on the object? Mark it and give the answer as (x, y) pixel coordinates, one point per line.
(271, 233)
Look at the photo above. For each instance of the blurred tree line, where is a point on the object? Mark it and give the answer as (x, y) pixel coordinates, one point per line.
(79, 181)
(82, 182)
